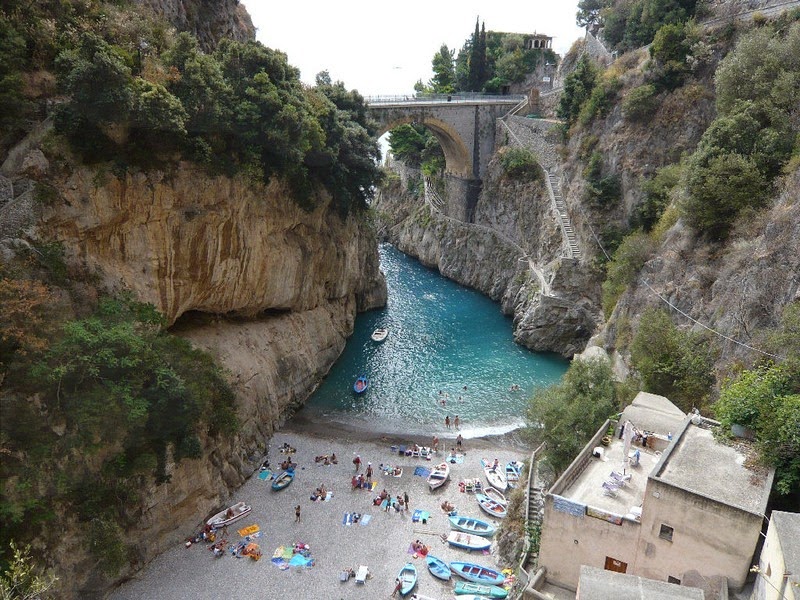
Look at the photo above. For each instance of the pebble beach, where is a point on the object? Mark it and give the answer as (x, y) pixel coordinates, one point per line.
(383, 544)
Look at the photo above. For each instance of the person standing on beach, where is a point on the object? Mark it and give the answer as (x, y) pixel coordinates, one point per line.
(459, 439)
(297, 514)
(405, 497)
(357, 463)
(435, 444)
(369, 471)
(456, 422)
(447, 421)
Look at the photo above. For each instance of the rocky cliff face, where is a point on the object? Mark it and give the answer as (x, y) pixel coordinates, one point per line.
(511, 253)
(208, 20)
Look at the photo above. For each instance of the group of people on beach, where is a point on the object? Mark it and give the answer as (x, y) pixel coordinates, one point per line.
(456, 422)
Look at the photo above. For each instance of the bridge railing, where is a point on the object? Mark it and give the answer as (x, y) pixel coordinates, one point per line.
(436, 98)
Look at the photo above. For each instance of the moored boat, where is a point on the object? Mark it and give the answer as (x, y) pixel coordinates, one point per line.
(495, 495)
(514, 472)
(438, 567)
(283, 480)
(494, 474)
(490, 506)
(477, 573)
(479, 589)
(408, 578)
(459, 539)
(360, 386)
(438, 476)
(379, 334)
(473, 526)
(229, 515)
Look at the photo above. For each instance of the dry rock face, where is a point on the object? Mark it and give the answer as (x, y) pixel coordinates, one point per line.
(208, 20)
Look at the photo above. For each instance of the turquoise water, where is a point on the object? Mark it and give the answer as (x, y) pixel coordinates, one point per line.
(442, 337)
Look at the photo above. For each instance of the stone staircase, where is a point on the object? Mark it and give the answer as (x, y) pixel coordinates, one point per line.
(573, 250)
(432, 196)
(535, 514)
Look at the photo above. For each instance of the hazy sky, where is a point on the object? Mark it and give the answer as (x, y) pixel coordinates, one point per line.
(385, 47)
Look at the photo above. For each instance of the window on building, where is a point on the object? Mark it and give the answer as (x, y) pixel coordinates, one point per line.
(665, 533)
(671, 579)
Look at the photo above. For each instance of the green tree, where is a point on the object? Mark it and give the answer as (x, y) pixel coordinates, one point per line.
(568, 414)
(22, 580)
(767, 400)
(444, 72)
(674, 363)
(477, 74)
(578, 87)
(589, 12)
(669, 50)
(631, 255)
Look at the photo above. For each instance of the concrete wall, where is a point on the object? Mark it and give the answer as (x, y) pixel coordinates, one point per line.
(708, 537)
(569, 541)
(771, 566)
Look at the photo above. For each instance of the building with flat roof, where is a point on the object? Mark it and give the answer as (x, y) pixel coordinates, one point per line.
(690, 512)
(779, 566)
(599, 584)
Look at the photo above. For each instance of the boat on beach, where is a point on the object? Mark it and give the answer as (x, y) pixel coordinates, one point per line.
(459, 539)
(490, 506)
(472, 526)
(229, 515)
(408, 578)
(379, 334)
(496, 496)
(438, 567)
(494, 475)
(477, 573)
(438, 476)
(360, 386)
(283, 480)
(480, 590)
(513, 473)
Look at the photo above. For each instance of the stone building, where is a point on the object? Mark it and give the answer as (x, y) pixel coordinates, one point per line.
(599, 584)
(689, 514)
(779, 566)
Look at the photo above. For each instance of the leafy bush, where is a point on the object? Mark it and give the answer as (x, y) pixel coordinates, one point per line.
(671, 362)
(602, 190)
(634, 251)
(601, 100)
(640, 103)
(669, 50)
(568, 414)
(578, 87)
(520, 164)
(629, 25)
(656, 197)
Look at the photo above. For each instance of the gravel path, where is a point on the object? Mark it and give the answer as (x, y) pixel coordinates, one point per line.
(382, 545)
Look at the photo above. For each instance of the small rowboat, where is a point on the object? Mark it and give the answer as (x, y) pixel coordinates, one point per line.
(478, 589)
(229, 515)
(473, 526)
(494, 475)
(513, 473)
(490, 506)
(459, 539)
(438, 476)
(283, 480)
(408, 578)
(379, 334)
(360, 386)
(438, 567)
(496, 496)
(477, 573)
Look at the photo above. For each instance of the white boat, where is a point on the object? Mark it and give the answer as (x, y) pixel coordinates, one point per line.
(496, 495)
(438, 475)
(513, 473)
(459, 539)
(495, 475)
(229, 515)
(379, 334)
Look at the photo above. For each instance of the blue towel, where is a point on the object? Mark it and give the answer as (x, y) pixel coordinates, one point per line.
(420, 515)
(346, 518)
(365, 519)
(422, 471)
(265, 474)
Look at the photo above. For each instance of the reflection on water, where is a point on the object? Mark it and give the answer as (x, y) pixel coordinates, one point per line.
(442, 337)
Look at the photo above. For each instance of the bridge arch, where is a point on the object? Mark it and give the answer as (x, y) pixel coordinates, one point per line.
(457, 157)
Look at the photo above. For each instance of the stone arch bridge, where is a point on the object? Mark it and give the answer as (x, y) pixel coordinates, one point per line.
(464, 125)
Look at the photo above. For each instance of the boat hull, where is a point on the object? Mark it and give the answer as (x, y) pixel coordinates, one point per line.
(438, 476)
(478, 589)
(219, 520)
(459, 539)
(491, 507)
(472, 526)
(282, 481)
(379, 334)
(494, 475)
(360, 386)
(477, 573)
(408, 578)
(438, 568)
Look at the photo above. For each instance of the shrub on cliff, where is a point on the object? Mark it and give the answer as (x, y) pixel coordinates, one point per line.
(578, 87)
(520, 164)
(635, 250)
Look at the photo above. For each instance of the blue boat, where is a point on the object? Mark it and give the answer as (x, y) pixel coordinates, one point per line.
(438, 567)
(408, 579)
(283, 480)
(477, 573)
(360, 386)
(472, 525)
(478, 589)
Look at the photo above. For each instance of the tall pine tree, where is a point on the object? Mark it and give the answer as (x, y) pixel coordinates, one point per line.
(477, 59)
